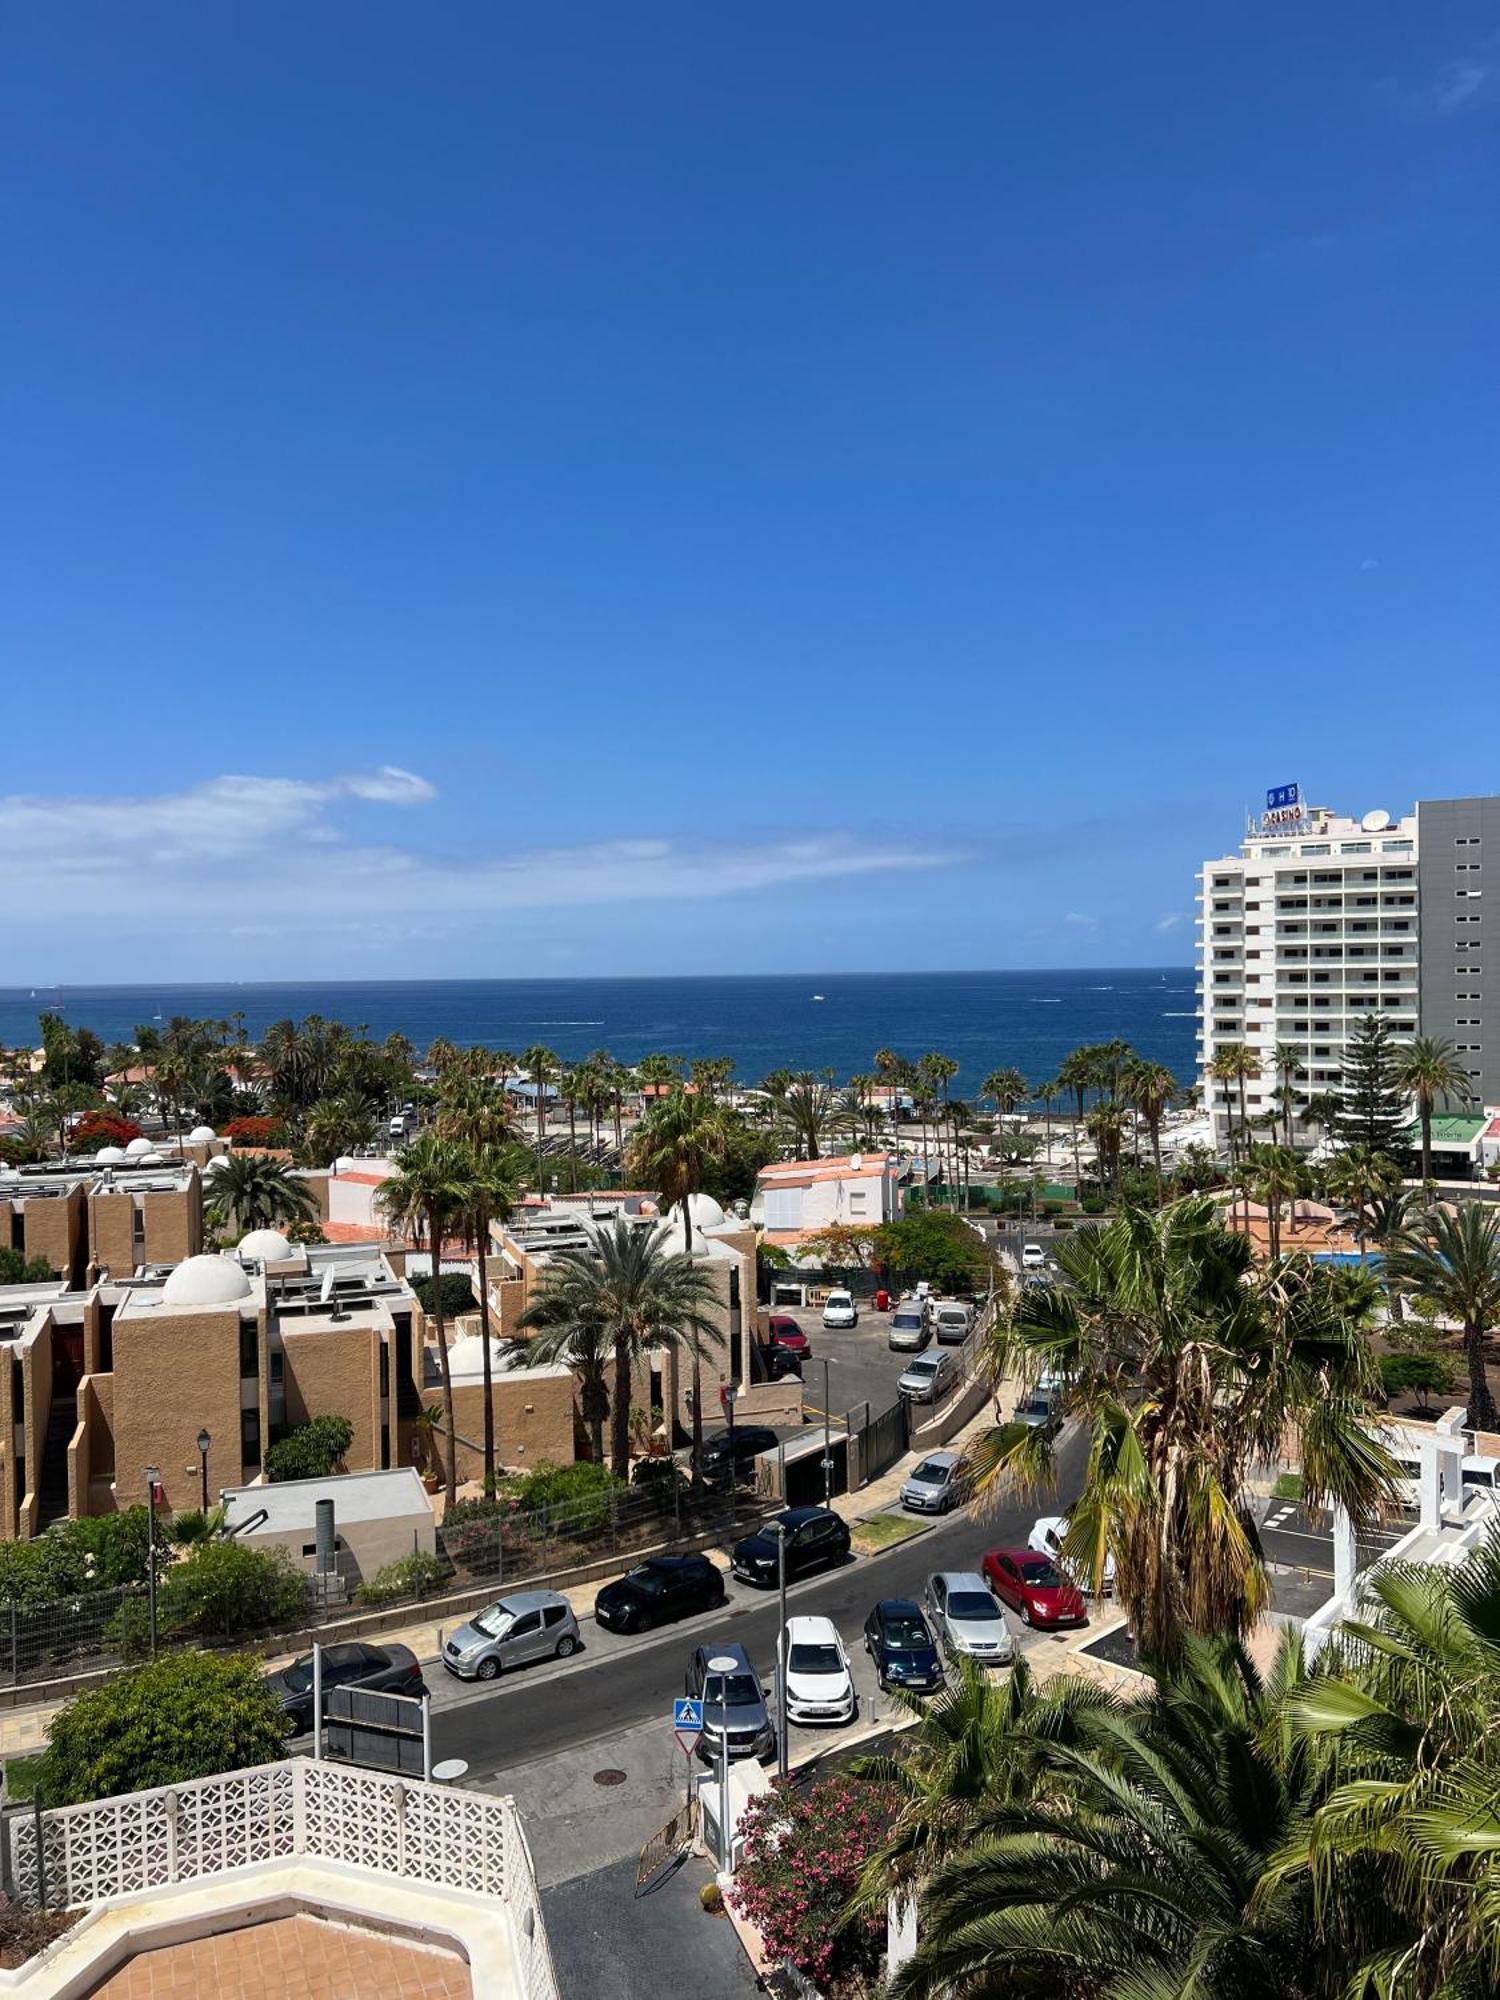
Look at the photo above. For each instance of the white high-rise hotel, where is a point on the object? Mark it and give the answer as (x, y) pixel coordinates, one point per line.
(1320, 918)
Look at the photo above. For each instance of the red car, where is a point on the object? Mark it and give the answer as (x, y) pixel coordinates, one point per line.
(1034, 1586)
(788, 1336)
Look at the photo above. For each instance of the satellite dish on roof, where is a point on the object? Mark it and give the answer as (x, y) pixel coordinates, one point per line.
(856, 1160)
(1376, 822)
(325, 1291)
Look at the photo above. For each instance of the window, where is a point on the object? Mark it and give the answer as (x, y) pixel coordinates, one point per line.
(249, 1350)
(250, 1439)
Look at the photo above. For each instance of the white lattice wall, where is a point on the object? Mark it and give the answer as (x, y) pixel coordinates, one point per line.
(330, 1812)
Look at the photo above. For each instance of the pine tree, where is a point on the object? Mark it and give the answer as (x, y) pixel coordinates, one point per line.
(1373, 1112)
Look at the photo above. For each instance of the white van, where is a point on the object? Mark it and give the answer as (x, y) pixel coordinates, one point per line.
(910, 1327)
(951, 1320)
(1033, 1257)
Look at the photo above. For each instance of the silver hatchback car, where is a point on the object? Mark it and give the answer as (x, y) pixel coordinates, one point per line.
(968, 1618)
(528, 1625)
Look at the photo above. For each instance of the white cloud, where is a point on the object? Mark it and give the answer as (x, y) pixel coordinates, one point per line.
(1080, 922)
(1460, 85)
(1171, 920)
(1370, 562)
(247, 856)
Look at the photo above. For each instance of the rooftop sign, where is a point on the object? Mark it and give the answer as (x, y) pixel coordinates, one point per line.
(1283, 807)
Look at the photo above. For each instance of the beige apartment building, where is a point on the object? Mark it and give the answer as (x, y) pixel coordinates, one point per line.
(108, 1381)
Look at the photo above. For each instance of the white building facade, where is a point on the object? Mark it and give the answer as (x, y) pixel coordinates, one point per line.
(1311, 926)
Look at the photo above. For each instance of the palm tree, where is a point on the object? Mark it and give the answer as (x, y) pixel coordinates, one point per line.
(893, 1071)
(630, 1288)
(1235, 1064)
(1402, 1717)
(1428, 1070)
(973, 1749)
(1275, 1174)
(1077, 1075)
(432, 1189)
(1185, 1365)
(560, 1337)
(1358, 1176)
(1451, 1266)
(1321, 1109)
(1289, 1066)
(541, 1065)
(335, 1126)
(476, 1115)
(809, 1108)
(672, 1150)
(1149, 1089)
(1005, 1088)
(254, 1191)
(1105, 1123)
(1137, 1856)
(1049, 1090)
(937, 1071)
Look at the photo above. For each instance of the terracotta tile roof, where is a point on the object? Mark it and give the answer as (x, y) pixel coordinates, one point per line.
(366, 1180)
(802, 1173)
(355, 1232)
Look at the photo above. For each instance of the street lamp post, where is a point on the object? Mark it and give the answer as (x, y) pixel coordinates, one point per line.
(778, 1529)
(153, 1474)
(731, 1393)
(204, 1441)
(827, 1439)
(722, 1664)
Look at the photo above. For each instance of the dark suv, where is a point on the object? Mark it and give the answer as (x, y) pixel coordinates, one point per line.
(657, 1590)
(750, 1440)
(390, 1669)
(815, 1536)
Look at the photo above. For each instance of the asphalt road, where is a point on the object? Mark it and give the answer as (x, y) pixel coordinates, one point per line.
(617, 1683)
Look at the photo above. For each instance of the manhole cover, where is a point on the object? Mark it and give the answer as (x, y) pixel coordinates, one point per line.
(609, 1777)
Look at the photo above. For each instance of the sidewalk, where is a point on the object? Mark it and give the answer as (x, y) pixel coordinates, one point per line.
(23, 1731)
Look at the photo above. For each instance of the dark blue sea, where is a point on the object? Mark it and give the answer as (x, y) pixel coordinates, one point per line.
(984, 1020)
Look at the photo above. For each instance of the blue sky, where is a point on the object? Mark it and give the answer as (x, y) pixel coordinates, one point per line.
(677, 488)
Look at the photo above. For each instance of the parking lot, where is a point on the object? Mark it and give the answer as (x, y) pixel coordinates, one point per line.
(862, 1366)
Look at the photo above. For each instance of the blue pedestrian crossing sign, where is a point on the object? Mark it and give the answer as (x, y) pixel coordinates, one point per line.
(687, 1722)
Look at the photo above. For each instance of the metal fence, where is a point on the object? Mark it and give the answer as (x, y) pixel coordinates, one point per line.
(496, 1544)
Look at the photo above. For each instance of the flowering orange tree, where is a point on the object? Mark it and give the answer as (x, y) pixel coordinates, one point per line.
(804, 1853)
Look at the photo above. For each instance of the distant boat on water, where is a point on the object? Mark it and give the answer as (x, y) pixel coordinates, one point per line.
(817, 996)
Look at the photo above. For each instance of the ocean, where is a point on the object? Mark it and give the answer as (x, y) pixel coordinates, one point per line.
(984, 1020)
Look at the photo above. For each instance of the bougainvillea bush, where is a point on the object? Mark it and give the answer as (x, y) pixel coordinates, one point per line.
(255, 1131)
(803, 1856)
(97, 1129)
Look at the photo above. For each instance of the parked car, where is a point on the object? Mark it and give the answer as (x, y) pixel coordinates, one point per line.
(1033, 1257)
(909, 1325)
(839, 1309)
(928, 1378)
(1036, 1409)
(784, 1332)
(1034, 1586)
(527, 1625)
(815, 1536)
(748, 1442)
(387, 1669)
(900, 1642)
(819, 1685)
(1047, 1536)
(734, 1703)
(935, 1485)
(658, 1590)
(951, 1320)
(968, 1619)
(778, 1361)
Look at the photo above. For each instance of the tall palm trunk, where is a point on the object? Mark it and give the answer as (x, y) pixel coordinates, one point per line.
(482, 1234)
(1156, 1158)
(1244, 1127)
(1077, 1155)
(573, 1145)
(435, 1244)
(1424, 1106)
(619, 1410)
(1481, 1411)
(687, 1248)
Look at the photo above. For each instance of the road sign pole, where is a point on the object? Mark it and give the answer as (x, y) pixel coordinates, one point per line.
(781, 1753)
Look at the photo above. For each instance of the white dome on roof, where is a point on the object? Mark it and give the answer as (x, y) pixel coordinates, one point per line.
(466, 1356)
(704, 1210)
(265, 1246)
(202, 1135)
(215, 1166)
(205, 1281)
(138, 1148)
(109, 1156)
(149, 1160)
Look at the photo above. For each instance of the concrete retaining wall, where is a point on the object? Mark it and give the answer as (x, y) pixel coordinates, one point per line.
(953, 1415)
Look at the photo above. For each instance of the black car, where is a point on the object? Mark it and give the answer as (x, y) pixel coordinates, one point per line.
(657, 1590)
(899, 1641)
(814, 1536)
(386, 1669)
(777, 1362)
(750, 1440)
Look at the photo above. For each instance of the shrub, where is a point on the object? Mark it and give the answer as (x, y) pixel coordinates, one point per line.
(456, 1290)
(115, 1546)
(416, 1575)
(311, 1450)
(1427, 1374)
(255, 1131)
(802, 1862)
(577, 1497)
(101, 1128)
(188, 1715)
(224, 1589)
(73, 1558)
(658, 1477)
(16, 1268)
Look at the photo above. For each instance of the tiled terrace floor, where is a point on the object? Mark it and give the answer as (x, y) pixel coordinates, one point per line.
(291, 1958)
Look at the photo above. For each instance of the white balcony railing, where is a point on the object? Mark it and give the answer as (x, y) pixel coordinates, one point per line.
(400, 1827)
